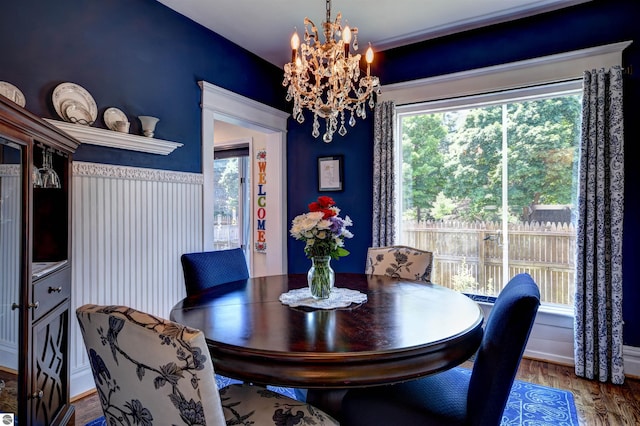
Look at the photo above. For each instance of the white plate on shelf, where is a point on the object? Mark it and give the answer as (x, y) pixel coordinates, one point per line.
(111, 115)
(12, 93)
(72, 92)
(75, 113)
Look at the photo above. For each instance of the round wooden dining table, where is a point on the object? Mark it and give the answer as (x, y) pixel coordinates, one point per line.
(405, 330)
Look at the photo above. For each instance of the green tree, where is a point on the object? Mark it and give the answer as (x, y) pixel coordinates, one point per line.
(226, 185)
(442, 207)
(422, 162)
(472, 161)
(542, 136)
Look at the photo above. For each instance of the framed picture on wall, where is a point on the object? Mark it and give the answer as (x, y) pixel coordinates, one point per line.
(330, 173)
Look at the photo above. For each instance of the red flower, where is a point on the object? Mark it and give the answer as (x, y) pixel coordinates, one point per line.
(322, 205)
(325, 201)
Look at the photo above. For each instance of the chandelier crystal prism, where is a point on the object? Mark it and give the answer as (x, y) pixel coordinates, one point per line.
(326, 78)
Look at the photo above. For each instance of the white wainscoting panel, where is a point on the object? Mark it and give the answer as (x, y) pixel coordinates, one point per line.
(130, 226)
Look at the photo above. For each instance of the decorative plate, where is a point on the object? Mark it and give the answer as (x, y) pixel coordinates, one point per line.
(12, 93)
(111, 115)
(74, 112)
(72, 92)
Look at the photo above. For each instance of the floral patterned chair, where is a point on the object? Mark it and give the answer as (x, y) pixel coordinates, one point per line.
(400, 262)
(153, 371)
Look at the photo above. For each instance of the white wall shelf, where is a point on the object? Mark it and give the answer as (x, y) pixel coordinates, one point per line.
(113, 139)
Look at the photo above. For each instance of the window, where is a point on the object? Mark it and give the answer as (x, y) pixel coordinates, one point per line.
(231, 199)
(489, 184)
(554, 341)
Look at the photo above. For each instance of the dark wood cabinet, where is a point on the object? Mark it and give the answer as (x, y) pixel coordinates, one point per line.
(35, 268)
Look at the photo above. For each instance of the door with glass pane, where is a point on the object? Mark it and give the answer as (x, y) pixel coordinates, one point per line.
(231, 199)
(11, 226)
(490, 188)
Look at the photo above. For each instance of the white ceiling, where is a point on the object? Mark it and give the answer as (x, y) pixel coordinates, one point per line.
(264, 27)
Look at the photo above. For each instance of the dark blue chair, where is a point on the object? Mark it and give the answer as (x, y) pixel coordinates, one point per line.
(453, 397)
(204, 270)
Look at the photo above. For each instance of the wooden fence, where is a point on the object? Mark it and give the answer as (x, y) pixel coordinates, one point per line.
(471, 253)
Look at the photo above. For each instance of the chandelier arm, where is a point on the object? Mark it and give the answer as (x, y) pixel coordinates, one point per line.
(314, 30)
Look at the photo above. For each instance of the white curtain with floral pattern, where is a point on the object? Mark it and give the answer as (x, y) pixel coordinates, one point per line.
(598, 298)
(383, 175)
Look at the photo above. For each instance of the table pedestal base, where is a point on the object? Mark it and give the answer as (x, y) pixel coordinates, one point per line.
(328, 400)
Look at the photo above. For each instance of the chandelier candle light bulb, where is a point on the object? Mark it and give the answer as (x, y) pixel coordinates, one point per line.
(325, 78)
(295, 44)
(346, 39)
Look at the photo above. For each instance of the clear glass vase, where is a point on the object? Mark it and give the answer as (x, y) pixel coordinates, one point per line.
(321, 277)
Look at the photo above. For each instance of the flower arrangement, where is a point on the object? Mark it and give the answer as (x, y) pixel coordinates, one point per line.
(322, 229)
(324, 232)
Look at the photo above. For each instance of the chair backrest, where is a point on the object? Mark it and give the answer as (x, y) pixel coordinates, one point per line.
(208, 269)
(505, 337)
(400, 262)
(149, 370)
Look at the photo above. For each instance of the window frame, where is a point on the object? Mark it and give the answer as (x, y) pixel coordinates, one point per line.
(553, 90)
(552, 335)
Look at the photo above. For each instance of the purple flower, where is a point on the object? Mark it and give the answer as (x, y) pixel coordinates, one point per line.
(336, 225)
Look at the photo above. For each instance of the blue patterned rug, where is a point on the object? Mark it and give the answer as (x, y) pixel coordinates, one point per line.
(529, 404)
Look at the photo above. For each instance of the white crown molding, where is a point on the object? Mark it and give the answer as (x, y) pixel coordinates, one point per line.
(506, 14)
(134, 173)
(543, 70)
(109, 138)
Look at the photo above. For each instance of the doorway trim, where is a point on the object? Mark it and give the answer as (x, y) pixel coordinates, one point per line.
(224, 105)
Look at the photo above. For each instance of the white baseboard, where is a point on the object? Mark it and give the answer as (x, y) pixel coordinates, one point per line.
(551, 340)
(631, 355)
(81, 381)
(549, 357)
(9, 356)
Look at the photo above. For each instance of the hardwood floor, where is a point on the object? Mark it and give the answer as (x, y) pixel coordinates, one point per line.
(87, 409)
(597, 404)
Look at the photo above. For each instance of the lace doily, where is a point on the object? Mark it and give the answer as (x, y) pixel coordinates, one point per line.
(338, 298)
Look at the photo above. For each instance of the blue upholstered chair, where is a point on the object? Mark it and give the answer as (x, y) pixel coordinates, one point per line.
(149, 370)
(400, 262)
(208, 269)
(453, 397)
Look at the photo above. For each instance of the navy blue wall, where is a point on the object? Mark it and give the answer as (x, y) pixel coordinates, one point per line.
(145, 59)
(354, 201)
(136, 55)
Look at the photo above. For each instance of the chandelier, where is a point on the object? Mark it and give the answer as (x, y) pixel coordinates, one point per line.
(326, 78)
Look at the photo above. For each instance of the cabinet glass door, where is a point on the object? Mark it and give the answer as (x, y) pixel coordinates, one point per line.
(10, 249)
